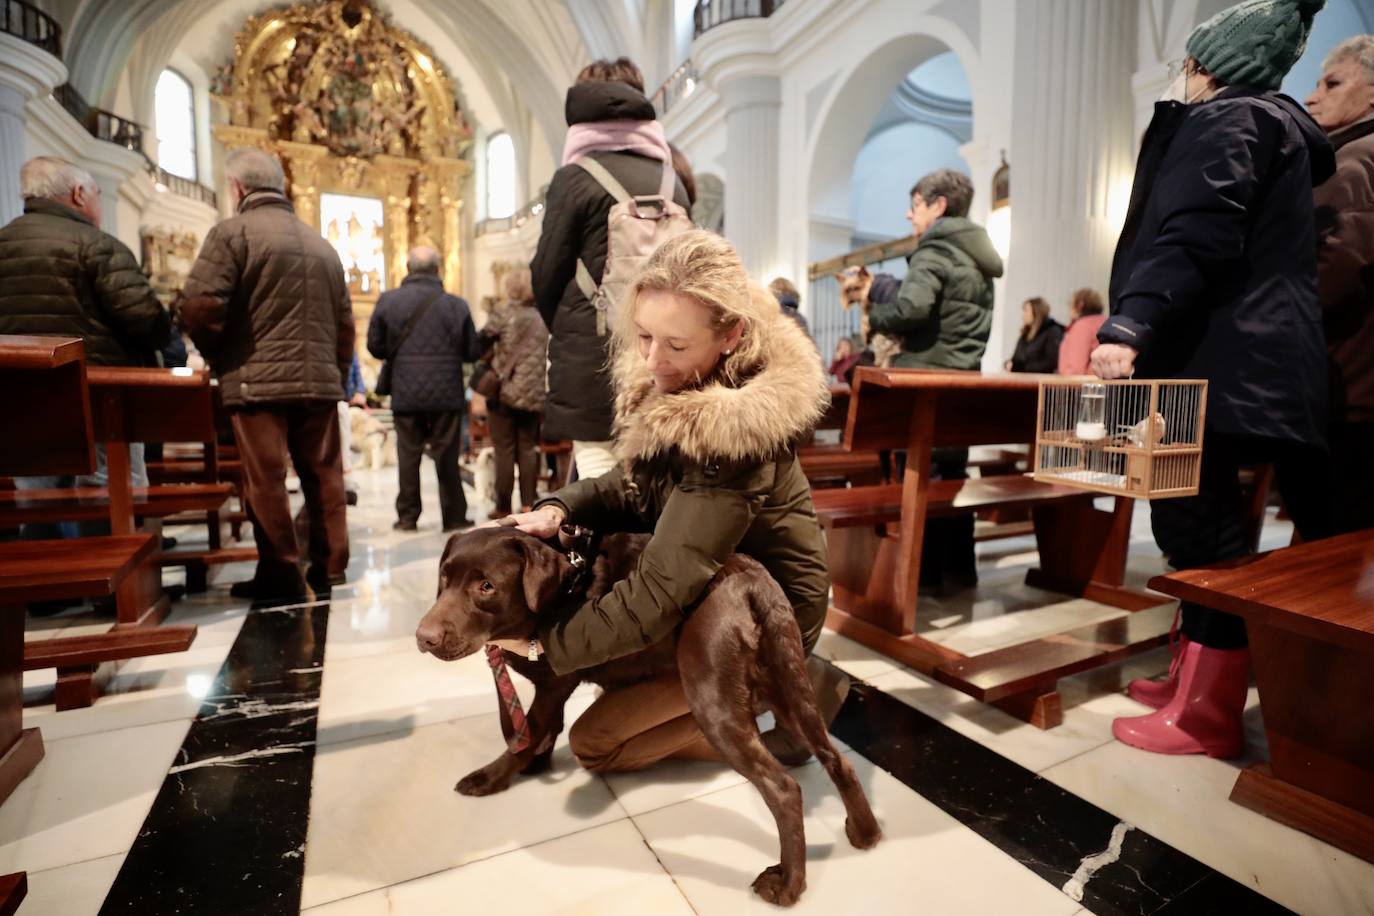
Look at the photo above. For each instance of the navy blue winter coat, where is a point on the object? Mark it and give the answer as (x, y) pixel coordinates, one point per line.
(428, 371)
(1215, 274)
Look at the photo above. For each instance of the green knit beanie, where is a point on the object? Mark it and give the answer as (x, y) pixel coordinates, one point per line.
(1254, 43)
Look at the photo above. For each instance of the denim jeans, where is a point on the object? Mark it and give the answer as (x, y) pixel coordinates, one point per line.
(43, 531)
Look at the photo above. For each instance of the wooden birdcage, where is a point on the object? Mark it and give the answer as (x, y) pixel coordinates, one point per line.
(1125, 437)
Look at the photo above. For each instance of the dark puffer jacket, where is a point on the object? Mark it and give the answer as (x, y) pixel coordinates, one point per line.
(576, 207)
(943, 311)
(1041, 352)
(521, 355)
(1215, 275)
(60, 276)
(267, 306)
(427, 373)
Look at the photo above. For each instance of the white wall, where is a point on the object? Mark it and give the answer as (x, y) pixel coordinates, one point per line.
(888, 165)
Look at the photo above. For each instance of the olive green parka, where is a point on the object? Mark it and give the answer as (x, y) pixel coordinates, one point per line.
(710, 471)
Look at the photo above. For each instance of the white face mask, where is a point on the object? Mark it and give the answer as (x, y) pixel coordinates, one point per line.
(1178, 89)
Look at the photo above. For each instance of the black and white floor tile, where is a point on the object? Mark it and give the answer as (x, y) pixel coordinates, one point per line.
(303, 760)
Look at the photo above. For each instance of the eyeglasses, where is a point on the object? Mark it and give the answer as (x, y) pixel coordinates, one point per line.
(1177, 67)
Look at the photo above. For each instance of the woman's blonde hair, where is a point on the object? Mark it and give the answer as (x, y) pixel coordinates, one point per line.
(705, 267)
(518, 285)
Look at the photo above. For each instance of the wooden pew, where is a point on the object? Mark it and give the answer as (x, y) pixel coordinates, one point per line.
(875, 536)
(52, 433)
(1309, 611)
(832, 465)
(13, 889)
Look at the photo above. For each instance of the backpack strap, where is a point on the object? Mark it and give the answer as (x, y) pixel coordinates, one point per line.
(668, 185)
(603, 178)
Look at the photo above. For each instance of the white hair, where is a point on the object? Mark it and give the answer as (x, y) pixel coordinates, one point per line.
(255, 170)
(52, 178)
(423, 260)
(1360, 49)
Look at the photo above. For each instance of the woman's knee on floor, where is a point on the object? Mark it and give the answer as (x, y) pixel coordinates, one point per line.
(595, 746)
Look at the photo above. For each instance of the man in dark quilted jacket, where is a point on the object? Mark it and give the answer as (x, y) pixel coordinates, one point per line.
(267, 305)
(61, 276)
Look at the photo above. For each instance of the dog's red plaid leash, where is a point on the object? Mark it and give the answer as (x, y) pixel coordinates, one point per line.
(518, 738)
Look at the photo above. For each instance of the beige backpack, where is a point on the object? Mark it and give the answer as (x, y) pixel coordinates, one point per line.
(635, 226)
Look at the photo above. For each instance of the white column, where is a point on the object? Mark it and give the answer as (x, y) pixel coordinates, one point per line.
(26, 72)
(751, 170)
(1072, 151)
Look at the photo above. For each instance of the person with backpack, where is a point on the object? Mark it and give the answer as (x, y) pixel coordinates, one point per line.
(594, 239)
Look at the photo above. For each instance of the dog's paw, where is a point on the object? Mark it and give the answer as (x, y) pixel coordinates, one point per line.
(481, 782)
(865, 836)
(773, 886)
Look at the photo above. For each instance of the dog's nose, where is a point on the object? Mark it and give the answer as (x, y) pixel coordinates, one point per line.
(429, 635)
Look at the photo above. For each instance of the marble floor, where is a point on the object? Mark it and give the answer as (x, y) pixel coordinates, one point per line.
(303, 760)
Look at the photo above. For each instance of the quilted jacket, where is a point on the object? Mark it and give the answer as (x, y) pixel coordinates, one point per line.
(521, 355)
(60, 276)
(267, 306)
(428, 371)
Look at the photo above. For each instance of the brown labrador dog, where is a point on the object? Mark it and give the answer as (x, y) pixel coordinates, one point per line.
(738, 650)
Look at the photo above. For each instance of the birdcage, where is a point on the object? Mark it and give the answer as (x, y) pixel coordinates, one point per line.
(1125, 437)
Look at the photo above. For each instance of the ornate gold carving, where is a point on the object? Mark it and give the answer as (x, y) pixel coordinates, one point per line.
(167, 259)
(352, 104)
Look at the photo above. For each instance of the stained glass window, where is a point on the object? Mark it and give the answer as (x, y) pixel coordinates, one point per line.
(353, 225)
(176, 124)
(500, 176)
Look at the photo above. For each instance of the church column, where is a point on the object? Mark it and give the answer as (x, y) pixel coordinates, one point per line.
(738, 61)
(1072, 151)
(26, 72)
(751, 170)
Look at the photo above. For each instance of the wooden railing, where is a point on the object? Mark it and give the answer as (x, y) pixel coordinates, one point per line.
(29, 23)
(187, 188)
(501, 224)
(675, 88)
(830, 320)
(101, 124)
(711, 13)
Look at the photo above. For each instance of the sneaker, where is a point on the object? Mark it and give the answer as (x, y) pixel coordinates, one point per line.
(404, 526)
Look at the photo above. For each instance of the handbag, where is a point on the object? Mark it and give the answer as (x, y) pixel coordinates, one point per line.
(383, 386)
(486, 381)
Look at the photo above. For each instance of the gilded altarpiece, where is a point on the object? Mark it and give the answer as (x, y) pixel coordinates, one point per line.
(353, 105)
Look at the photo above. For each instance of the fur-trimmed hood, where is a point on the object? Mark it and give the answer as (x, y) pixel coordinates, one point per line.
(779, 399)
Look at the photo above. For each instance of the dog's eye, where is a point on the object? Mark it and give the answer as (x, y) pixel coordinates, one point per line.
(487, 588)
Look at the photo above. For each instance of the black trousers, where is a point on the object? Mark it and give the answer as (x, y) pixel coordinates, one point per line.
(1210, 527)
(1352, 475)
(439, 432)
(515, 438)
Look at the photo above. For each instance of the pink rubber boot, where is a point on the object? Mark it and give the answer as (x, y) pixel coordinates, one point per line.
(1204, 715)
(1157, 694)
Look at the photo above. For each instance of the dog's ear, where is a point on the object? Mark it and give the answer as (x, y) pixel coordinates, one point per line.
(443, 560)
(862, 272)
(542, 574)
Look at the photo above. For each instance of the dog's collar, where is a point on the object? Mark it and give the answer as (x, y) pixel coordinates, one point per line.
(577, 545)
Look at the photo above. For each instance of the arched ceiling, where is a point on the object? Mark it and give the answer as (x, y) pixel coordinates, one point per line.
(508, 56)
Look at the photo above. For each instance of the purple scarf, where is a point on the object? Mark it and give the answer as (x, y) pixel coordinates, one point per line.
(643, 137)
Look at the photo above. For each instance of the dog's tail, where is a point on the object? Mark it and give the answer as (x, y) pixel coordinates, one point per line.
(780, 646)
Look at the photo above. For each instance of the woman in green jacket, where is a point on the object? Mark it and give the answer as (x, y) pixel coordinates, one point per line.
(714, 389)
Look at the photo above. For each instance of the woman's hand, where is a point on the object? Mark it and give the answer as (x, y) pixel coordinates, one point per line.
(543, 522)
(1113, 361)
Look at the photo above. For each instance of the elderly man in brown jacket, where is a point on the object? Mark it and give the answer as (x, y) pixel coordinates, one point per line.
(267, 305)
(1344, 107)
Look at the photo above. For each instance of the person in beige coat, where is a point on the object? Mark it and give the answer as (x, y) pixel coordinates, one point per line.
(520, 355)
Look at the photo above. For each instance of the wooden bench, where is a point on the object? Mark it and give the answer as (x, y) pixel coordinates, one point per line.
(54, 433)
(1309, 612)
(828, 466)
(13, 889)
(875, 534)
(93, 503)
